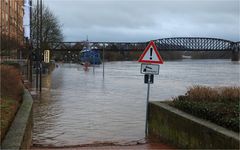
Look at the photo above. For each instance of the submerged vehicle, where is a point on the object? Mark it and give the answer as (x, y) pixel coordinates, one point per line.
(90, 55)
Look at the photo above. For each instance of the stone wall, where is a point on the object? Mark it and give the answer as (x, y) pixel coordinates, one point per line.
(186, 131)
(19, 135)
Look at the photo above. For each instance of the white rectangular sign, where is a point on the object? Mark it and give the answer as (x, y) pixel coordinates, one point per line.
(46, 58)
(150, 69)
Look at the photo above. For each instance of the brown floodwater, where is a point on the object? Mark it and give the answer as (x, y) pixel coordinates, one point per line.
(78, 107)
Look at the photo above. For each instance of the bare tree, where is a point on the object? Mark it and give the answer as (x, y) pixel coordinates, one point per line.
(51, 28)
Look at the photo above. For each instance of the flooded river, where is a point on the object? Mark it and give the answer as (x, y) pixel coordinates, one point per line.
(81, 107)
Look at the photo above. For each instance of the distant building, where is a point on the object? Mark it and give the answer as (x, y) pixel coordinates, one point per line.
(12, 32)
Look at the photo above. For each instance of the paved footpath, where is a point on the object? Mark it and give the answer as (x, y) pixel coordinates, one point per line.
(148, 146)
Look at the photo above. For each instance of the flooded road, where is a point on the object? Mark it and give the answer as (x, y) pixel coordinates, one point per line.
(81, 107)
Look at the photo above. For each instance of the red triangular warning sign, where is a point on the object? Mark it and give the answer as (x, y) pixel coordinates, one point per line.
(151, 55)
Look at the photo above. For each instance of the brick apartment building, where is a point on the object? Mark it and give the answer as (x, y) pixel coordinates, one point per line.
(12, 31)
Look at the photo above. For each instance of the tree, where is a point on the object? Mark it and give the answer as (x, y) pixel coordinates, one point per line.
(51, 28)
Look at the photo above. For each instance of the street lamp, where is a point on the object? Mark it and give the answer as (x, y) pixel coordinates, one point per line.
(39, 46)
(38, 43)
(29, 47)
(103, 58)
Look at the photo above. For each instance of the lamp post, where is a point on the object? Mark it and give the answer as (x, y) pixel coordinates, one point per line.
(103, 58)
(18, 52)
(30, 43)
(39, 46)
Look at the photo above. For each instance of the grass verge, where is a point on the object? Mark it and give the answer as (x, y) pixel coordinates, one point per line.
(8, 110)
(11, 95)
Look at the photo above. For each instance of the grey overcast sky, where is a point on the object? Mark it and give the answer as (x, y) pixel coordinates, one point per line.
(143, 20)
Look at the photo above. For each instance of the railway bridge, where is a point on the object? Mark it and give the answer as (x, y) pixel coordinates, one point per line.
(164, 44)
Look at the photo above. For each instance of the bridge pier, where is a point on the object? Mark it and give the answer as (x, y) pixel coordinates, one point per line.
(235, 53)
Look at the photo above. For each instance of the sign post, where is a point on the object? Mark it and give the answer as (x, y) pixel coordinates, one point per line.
(150, 60)
(148, 93)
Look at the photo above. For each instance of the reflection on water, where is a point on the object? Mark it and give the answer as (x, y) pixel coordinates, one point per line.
(78, 107)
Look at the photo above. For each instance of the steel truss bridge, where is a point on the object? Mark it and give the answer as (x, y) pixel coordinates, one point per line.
(165, 44)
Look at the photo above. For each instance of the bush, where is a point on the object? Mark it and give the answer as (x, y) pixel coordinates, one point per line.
(219, 105)
(202, 93)
(11, 84)
(230, 94)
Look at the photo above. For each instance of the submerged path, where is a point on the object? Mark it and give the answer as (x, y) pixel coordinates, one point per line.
(148, 146)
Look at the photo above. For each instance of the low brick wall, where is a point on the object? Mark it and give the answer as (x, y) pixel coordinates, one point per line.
(19, 135)
(187, 131)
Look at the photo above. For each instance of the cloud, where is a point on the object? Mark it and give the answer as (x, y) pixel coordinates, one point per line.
(134, 20)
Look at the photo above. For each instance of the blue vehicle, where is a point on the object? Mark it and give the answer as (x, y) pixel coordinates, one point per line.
(88, 55)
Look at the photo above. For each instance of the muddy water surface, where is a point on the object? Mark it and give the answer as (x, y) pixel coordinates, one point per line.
(81, 107)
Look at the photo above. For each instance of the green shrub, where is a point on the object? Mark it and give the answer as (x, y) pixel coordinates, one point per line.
(219, 105)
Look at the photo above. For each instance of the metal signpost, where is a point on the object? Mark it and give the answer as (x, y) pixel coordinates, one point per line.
(150, 60)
